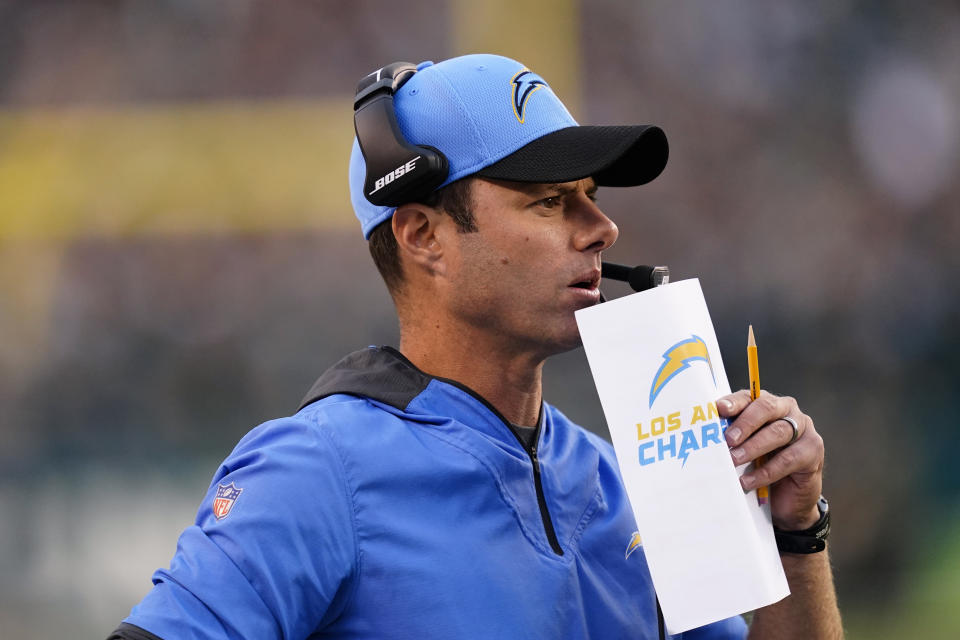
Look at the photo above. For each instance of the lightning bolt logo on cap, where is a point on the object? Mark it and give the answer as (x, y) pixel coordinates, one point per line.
(525, 83)
(678, 358)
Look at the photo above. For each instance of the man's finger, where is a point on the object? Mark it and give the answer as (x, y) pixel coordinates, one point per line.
(730, 405)
(803, 456)
(770, 437)
(766, 408)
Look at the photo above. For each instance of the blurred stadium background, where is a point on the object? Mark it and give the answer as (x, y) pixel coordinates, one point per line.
(179, 261)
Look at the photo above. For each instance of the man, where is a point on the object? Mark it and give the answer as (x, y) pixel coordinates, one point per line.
(429, 491)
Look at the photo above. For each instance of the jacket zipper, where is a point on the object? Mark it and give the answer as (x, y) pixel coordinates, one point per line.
(532, 451)
(542, 502)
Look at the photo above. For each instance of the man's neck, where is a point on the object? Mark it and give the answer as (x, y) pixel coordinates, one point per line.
(511, 382)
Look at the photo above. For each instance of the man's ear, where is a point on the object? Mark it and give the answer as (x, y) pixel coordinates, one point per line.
(416, 227)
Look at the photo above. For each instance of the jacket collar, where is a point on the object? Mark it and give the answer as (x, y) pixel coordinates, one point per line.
(385, 375)
(379, 373)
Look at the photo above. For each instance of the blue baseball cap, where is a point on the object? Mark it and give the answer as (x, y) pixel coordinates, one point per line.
(492, 117)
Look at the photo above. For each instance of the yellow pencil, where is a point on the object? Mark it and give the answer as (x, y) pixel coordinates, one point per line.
(753, 367)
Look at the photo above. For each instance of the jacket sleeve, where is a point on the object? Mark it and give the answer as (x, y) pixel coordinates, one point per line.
(734, 628)
(273, 551)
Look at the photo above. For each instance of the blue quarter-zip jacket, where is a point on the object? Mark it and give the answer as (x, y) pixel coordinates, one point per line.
(398, 505)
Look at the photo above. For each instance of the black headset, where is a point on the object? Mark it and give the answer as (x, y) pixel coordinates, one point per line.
(397, 171)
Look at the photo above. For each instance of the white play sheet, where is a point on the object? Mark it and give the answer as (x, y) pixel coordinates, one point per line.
(656, 364)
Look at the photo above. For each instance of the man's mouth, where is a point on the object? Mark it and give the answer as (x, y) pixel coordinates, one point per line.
(589, 281)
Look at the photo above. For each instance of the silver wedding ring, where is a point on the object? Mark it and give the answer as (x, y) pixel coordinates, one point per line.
(796, 429)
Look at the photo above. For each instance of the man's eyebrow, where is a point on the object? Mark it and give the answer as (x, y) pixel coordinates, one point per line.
(563, 189)
(559, 188)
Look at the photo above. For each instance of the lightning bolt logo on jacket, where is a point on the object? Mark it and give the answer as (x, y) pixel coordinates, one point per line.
(525, 83)
(635, 543)
(678, 358)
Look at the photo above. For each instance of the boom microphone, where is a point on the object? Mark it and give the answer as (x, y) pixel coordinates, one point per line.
(640, 278)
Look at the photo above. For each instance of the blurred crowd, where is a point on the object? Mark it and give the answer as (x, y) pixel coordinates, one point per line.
(812, 187)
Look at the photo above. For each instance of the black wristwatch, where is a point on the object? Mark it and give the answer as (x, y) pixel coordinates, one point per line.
(810, 540)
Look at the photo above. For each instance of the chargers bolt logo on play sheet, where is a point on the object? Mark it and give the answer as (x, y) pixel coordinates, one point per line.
(678, 358)
(525, 83)
(676, 434)
(227, 495)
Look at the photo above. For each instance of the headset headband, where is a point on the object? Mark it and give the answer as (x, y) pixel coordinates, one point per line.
(397, 171)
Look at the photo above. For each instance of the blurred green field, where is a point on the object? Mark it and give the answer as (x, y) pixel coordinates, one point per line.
(928, 605)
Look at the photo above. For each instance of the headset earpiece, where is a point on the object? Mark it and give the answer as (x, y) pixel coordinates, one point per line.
(397, 171)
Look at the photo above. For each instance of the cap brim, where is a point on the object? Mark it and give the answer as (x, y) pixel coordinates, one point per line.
(615, 156)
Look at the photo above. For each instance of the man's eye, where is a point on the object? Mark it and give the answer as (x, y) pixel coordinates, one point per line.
(549, 203)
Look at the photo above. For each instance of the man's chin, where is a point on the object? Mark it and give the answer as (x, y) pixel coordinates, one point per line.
(567, 344)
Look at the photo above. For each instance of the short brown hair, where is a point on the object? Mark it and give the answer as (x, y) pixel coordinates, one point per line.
(455, 200)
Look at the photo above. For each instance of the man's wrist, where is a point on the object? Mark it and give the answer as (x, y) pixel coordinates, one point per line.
(799, 522)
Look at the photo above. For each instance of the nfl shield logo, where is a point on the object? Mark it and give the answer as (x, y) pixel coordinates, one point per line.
(227, 494)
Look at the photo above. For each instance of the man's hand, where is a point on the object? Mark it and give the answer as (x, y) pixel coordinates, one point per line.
(792, 470)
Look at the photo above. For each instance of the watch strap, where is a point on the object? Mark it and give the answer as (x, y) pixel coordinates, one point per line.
(810, 540)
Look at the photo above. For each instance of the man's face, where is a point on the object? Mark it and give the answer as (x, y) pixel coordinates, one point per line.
(533, 261)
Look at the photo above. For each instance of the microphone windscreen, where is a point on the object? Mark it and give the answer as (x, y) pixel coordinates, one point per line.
(639, 279)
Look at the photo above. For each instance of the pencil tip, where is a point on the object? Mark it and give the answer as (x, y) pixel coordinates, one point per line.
(750, 340)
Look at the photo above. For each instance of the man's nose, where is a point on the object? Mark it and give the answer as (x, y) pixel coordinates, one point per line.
(597, 232)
